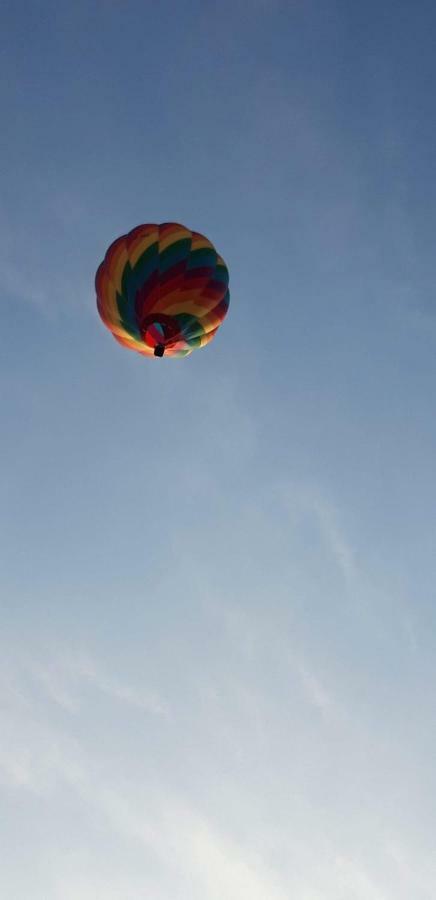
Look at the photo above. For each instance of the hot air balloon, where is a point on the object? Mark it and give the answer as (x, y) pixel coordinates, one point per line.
(162, 290)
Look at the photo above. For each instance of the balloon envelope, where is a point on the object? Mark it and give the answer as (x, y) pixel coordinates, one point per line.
(162, 290)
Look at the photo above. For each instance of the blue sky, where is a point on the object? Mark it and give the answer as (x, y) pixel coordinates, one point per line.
(217, 581)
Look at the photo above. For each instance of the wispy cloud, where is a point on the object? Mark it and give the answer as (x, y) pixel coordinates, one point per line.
(334, 536)
(36, 756)
(65, 679)
(35, 750)
(309, 500)
(214, 865)
(316, 692)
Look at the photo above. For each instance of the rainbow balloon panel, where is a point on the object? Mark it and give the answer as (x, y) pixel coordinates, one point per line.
(162, 290)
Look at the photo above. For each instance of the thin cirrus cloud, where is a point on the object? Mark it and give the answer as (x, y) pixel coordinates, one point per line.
(196, 848)
(67, 679)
